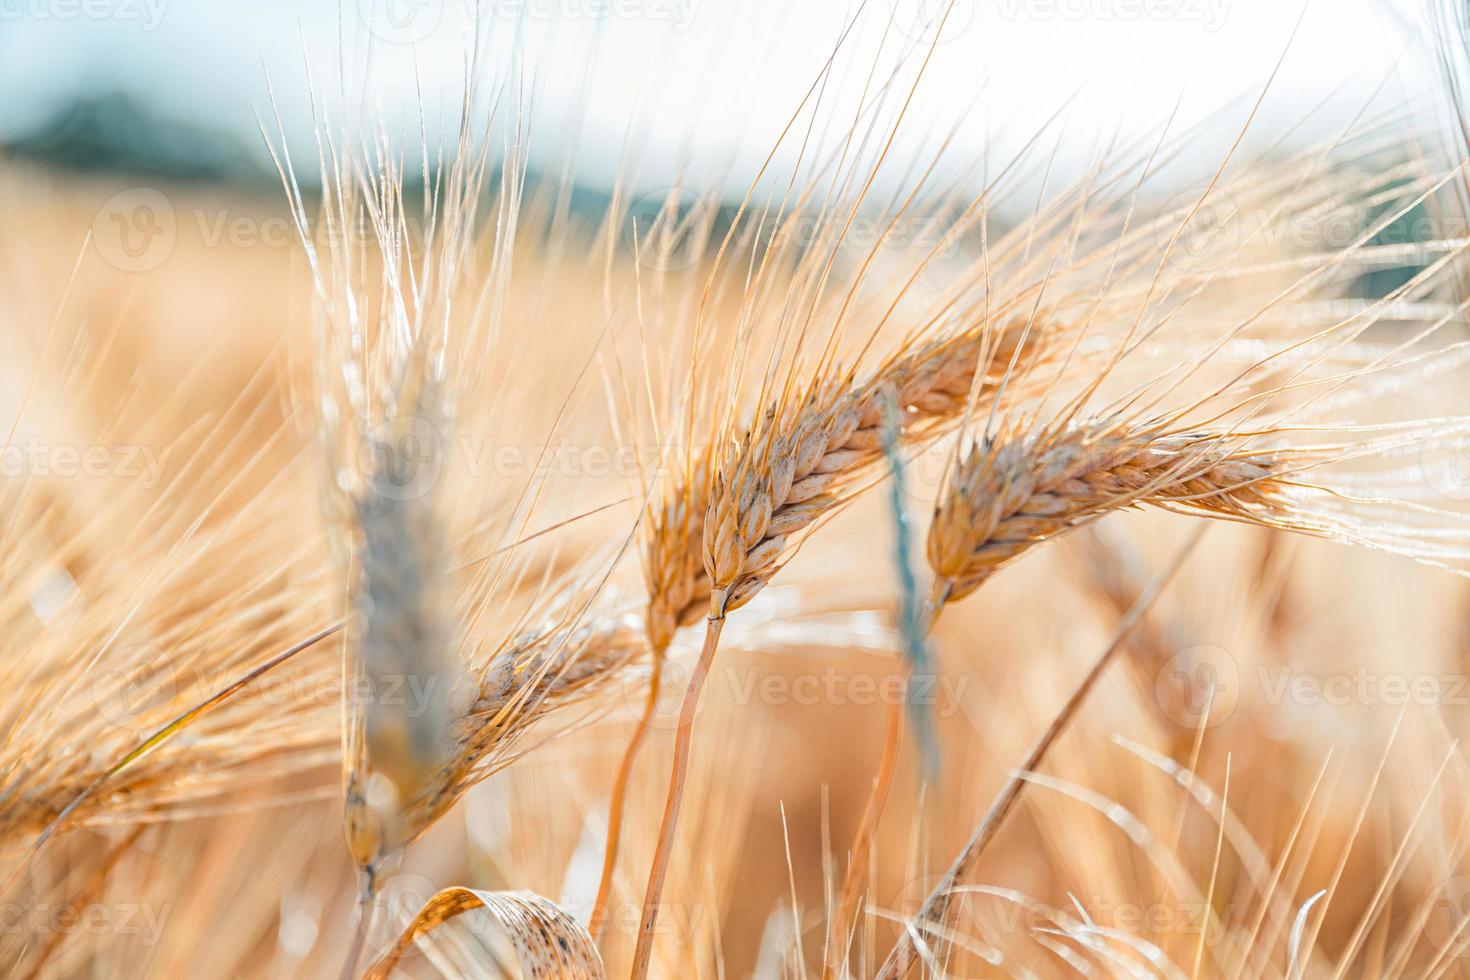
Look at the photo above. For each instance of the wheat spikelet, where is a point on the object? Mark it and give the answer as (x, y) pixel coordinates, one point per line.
(1013, 493)
(401, 637)
(532, 679)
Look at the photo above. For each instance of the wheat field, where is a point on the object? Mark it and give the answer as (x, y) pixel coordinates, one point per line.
(410, 567)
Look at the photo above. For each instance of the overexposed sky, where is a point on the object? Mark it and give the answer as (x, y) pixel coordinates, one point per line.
(706, 85)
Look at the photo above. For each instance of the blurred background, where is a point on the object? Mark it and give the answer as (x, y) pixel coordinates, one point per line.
(173, 90)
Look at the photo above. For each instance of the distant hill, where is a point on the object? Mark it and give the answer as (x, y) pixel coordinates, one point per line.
(114, 132)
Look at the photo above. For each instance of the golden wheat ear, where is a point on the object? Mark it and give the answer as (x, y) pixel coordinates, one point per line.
(1009, 495)
(507, 934)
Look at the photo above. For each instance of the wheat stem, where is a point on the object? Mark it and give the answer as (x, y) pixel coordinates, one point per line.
(683, 741)
(618, 801)
(363, 910)
(857, 862)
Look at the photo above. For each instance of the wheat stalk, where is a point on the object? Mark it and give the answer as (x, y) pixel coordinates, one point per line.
(773, 483)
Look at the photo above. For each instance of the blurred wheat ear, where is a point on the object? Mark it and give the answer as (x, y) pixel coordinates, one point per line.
(505, 934)
(400, 729)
